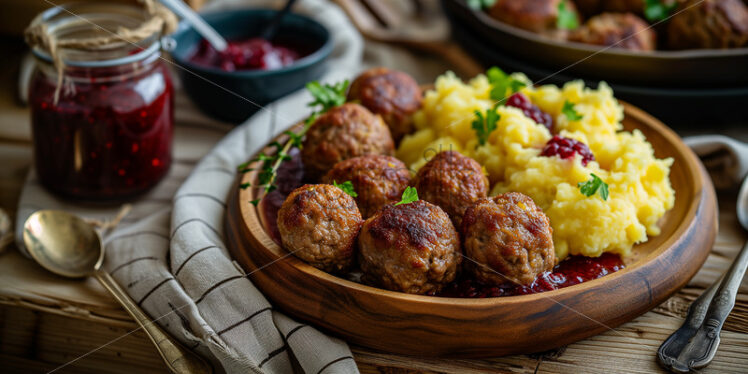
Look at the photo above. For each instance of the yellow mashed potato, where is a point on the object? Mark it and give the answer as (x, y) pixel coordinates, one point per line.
(640, 191)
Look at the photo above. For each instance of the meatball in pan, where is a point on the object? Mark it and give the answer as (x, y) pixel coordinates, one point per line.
(319, 224)
(377, 179)
(709, 24)
(392, 94)
(538, 16)
(451, 181)
(344, 132)
(621, 30)
(508, 240)
(411, 248)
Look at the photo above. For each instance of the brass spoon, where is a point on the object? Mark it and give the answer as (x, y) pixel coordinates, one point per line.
(68, 246)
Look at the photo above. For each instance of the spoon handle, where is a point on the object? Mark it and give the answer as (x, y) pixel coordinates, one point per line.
(203, 28)
(177, 358)
(700, 351)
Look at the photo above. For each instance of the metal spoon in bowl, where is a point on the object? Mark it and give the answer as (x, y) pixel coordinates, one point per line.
(694, 344)
(68, 246)
(272, 27)
(203, 28)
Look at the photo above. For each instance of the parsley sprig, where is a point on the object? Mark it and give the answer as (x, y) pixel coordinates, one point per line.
(567, 18)
(409, 195)
(480, 4)
(569, 111)
(326, 96)
(485, 124)
(593, 186)
(657, 10)
(503, 85)
(347, 187)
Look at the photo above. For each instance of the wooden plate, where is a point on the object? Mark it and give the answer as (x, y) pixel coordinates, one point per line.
(423, 325)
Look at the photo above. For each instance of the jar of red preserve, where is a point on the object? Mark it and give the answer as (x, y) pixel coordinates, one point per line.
(102, 101)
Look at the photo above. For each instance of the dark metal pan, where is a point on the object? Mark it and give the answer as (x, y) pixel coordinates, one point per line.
(697, 68)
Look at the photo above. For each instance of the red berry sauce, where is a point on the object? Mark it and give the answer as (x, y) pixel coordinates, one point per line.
(571, 271)
(519, 100)
(566, 148)
(252, 54)
(109, 138)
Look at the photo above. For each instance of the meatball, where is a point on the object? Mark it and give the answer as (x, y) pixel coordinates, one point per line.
(392, 94)
(508, 240)
(319, 224)
(538, 16)
(451, 181)
(412, 248)
(621, 30)
(377, 179)
(709, 24)
(344, 132)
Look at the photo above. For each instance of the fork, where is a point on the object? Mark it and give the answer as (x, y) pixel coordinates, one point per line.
(694, 344)
(423, 27)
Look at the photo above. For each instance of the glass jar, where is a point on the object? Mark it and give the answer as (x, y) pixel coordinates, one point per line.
(108, 133)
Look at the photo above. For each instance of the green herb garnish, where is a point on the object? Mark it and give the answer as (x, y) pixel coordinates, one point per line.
(501, 82)
(657, 10)
(409, 195)
(485, 124)
(567, 18)
(255, 202)
(480, 4)
(325, 97)
(347, 187)
(594, 185)
(569, 111)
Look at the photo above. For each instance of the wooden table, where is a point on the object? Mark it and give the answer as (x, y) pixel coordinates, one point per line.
(46, 321)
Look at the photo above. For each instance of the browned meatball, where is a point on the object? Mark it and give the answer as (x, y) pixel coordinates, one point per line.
(709, 24)
(319, 224)
(392, 94)
(508, 240)
(621, 30)
(538, 16)
(412, 248)
(344, 132)
(377, 179)
(453, 182)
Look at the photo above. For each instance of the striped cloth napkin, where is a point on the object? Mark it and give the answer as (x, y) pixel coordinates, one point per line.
(169, 251)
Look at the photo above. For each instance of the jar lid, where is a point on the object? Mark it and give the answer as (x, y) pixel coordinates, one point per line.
(98, 34)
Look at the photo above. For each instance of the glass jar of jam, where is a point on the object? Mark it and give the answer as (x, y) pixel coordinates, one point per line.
(104, 131)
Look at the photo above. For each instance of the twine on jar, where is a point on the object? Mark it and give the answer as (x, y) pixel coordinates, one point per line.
(104, 225)
(162, 20)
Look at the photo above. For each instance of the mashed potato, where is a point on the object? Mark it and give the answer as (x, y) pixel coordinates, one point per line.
(640, 191)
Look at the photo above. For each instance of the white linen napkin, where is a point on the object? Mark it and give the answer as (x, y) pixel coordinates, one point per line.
(725, 159)
(169, 252)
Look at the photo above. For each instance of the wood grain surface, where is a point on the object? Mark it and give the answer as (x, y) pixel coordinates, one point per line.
(422, 325)
(46, 321)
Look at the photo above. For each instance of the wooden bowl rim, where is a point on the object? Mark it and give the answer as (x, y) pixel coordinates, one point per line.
(251, 215)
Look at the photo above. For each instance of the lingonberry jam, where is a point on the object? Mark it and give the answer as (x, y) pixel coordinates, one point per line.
(571, 271)
(255, 53)
(519, 100)
(566, 148)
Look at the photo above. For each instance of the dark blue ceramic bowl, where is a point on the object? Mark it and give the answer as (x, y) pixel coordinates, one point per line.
(234, 96)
